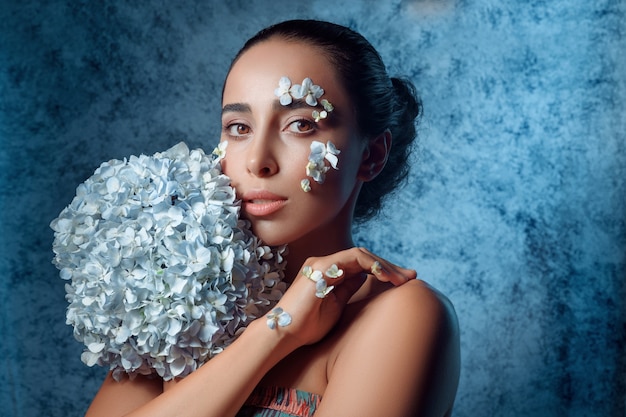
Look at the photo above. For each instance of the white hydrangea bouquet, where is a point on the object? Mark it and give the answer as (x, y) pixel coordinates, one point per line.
(163, 273)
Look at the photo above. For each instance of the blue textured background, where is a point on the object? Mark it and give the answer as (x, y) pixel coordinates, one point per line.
(516, 207)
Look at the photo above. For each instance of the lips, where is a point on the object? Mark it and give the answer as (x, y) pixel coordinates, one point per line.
(262, 203)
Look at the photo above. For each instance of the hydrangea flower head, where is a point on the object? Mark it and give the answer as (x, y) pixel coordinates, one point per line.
(163, 274)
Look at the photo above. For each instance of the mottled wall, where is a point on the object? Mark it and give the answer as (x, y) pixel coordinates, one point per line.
(516, 207)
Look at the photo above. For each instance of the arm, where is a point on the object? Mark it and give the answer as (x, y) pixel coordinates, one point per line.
(220, 387)
(400, 359)
(213, 390)
(116, 398)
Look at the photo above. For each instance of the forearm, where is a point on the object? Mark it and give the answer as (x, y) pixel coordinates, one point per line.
(220, 387)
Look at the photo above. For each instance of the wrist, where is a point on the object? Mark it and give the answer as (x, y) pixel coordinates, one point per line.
(278, 342)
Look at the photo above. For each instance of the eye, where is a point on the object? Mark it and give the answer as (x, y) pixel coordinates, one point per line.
(237, 129)
(301, 126)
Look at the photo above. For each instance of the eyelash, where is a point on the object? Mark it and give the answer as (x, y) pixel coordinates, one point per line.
(228, 130)
(310, 124)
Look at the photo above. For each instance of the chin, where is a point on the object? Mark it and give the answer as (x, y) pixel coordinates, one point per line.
(270, 238)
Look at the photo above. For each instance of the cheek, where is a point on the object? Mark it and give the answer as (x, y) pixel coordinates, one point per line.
(230, 167)
(233, 160)
(348, 169)
(225, 166)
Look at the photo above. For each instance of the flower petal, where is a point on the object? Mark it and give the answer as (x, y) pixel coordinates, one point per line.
(305, 184)
(161, 272)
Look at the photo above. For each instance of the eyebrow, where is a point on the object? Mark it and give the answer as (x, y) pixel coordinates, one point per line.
(236, 107)
(245, 108)
(295, 104)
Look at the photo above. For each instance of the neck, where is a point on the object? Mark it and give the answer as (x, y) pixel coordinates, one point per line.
(314, 244)
(334, 237)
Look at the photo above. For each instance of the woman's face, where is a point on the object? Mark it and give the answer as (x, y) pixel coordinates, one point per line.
(269, 144)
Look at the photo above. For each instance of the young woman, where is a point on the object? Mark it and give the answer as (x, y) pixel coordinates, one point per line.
(317, 134)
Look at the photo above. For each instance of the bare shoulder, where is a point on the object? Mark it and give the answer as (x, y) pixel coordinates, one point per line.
(418, 298)
(413, 318)
(405, 338)
(413, 302)
(415, 313)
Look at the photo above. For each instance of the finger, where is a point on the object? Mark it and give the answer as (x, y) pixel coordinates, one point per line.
(348, 288)
(354, 262)
(387, 272)
(362, 260)
(390, 267)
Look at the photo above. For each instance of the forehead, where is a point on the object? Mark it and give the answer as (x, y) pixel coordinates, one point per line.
(257, 71)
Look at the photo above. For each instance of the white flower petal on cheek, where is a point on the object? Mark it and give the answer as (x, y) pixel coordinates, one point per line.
(331, 154)
(318, 151)
(305, 184)
(316, 170)
(316, 167)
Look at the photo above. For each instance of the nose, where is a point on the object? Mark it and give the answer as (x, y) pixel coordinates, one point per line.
(261, 161)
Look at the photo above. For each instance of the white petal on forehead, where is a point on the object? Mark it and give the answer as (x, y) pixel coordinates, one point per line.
(283, 86)
(297, 91)
(285, 99)
(317, 91)
(283, 91)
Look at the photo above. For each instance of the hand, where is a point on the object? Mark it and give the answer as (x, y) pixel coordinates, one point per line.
(313, 315)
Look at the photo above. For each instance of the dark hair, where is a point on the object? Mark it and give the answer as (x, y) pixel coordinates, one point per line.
(381, 102)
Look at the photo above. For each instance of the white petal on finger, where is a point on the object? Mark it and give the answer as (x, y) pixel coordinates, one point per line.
(376, 268)
(334, 271)
(317, 276)
(322, 289)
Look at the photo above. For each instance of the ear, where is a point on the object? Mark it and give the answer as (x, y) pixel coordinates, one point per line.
(375, 156)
